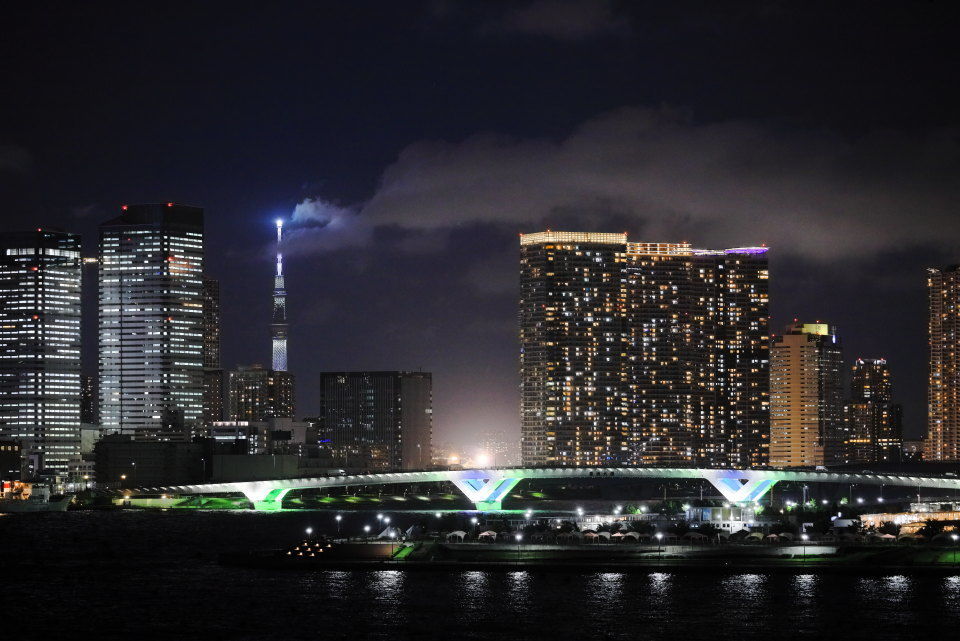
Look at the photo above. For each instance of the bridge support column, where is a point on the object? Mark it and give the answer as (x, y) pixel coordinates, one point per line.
(486, 493)
(739, 490)
(265, 499)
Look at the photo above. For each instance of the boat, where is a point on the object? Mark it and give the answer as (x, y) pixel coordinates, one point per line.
(18, 497)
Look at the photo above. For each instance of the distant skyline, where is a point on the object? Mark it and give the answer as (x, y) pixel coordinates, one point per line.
(407, 145)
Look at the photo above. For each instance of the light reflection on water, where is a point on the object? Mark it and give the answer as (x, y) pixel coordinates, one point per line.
(100, 568)
(518, 590)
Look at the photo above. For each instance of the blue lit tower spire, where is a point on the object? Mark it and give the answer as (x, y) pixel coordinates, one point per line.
(278, 326)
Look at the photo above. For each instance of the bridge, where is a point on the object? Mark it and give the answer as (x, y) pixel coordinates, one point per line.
(486, 488)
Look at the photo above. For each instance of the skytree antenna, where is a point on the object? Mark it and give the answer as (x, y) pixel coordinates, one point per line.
(278, 326)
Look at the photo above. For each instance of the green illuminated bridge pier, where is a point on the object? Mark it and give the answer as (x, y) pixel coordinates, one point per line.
(486, 488)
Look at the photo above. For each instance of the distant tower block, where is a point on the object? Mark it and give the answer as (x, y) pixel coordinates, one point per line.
(278, 327)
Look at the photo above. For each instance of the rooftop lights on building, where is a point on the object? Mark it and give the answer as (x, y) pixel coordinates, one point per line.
(571, 237)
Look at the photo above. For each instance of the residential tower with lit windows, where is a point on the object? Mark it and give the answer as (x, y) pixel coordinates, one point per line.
(873, 423)
(806, 396)
(40, 392)
(258, 394)
(943, 385)
(642, 353)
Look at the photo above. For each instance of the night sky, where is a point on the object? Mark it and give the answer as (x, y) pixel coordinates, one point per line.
(411, 141)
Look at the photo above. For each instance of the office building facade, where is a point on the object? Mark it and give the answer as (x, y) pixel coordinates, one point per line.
(151, 311)
(40, 390)
(89, 400)
(258, 394)
(806, 396)
(377, 420)
(943, 386)
(212, 373)
(642, 353)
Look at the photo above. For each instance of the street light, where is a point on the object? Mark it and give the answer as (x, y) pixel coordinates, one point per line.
(659, 536)
(803, 545)
(438, 515)
(309, 531)
(518, 537)
(366, 530)
(954, 537)
(339, 518)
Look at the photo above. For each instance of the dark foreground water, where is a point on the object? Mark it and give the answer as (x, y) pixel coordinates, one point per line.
(154, 575)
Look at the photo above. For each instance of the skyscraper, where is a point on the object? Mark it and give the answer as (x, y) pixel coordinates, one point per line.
(378, 420)
(258, 394)
(806, 396)
(278, 327)
(873, 431)
(642, 353)
(151, 318)
(40, 346)
(89, 412)
(943, 394)
(212, 374)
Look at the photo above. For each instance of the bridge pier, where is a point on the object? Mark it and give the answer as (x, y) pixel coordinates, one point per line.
(737, 489)
(263, 497)
(486, 493)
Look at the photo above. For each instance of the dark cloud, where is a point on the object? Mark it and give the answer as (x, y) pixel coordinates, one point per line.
(91, 211)
(665, 178)
(14, 159)
(568, 20)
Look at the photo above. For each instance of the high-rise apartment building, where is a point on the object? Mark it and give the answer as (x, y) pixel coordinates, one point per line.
(258, 394)
(873, 431)
(40, 347)
(212, 373)
(377, 420)
(943, 391)
(151, 318)
(642, 353)
(806, 396)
